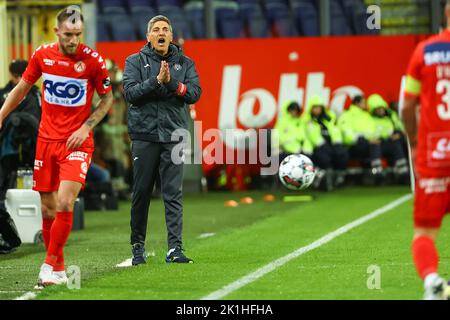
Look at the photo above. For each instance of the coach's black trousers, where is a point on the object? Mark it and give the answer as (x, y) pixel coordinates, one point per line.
(148, 158)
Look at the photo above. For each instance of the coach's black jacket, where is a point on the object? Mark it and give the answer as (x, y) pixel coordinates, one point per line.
(156, 111)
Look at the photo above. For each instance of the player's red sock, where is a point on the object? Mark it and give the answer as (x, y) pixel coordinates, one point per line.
(59, 266)
(46, 227)
(425, 256)
(58, 236)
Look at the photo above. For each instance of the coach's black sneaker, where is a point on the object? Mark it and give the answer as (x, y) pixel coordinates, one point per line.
(139, 254)
(176, 255)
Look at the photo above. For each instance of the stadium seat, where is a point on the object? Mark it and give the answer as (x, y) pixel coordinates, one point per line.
(194, 14)
(103, 32)
(253, 17)
(181, 28)
(228, 21)
(307, 17)
(339, 25)
(140, 7)
(112, 6)
(140, 20)
(122, 28)
(280, 18)
(160, 3)
(139, 3)
(356, 12)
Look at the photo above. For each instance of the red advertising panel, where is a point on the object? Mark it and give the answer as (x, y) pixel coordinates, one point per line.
(245, 82)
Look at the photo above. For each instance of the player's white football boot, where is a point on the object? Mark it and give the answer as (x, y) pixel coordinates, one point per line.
(436, 289)
(46, 277)
(61, 276)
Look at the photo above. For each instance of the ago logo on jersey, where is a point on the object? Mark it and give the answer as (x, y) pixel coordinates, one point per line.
(63, 91)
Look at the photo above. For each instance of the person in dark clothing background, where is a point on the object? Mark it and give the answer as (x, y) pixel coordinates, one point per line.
(159, 84)
(27, 116)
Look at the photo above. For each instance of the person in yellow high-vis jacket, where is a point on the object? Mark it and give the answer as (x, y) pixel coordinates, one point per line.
(290, 132)
(329, 153)
(359, 134)
(390, 131)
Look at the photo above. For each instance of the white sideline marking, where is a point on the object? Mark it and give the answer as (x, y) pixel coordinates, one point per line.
(206, 235)
(12, 291)
(27, 296)
(127, 263)
(124, 264)
(226, 290)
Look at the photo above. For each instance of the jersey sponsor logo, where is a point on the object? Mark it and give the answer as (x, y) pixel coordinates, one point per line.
(63, 91)
(78, 155)
(434, 185)
(49, 62)
(84, 167)
(437, 53)
(63, 63)
(79, 66)
(95, 55)
(38, 164)
(439, 143)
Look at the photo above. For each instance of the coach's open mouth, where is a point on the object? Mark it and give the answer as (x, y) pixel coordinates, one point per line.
(161, 40)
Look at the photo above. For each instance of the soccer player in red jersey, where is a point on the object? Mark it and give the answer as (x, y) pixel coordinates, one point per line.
(428, 85)
(71, 72)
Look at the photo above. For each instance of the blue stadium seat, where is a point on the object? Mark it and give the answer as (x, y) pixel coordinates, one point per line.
(112, 6)
(280, 18)
(339, 25)
(139, 3)
(253, 18)
(194, 14)
(356, 13)
(103, 32)
(160, 3)
(122, 28)
(140, 20)
(140, 6)
(228, 21)
(307, 17)
(170, 11)
(181, 28)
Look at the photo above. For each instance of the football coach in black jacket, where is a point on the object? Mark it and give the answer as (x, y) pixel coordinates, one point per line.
(159, 84)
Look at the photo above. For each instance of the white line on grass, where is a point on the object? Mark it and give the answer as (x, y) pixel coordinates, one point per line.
(127, 262)
(226, 290)
(27, 296)
(206, 235)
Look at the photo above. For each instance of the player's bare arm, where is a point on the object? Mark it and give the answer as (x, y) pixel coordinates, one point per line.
(13, 100)
(78, 137)
(410, 121)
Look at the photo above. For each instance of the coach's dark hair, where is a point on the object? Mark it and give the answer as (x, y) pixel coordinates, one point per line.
(155, 19)
(357, 99)
(71, 12)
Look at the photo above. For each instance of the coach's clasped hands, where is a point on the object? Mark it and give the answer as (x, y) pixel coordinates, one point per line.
(164, 72)
(78, 137)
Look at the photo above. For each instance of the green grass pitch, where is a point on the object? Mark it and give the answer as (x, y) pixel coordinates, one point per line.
(246, 238)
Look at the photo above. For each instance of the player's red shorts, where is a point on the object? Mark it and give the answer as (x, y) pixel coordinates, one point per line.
(431, 201)
(54, 163)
